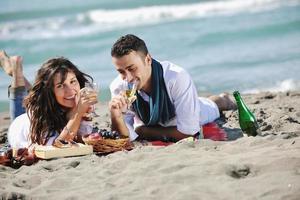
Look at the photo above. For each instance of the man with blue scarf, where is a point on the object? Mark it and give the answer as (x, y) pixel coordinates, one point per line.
(167, 106)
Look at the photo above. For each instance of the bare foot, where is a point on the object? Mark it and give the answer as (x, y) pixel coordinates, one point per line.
(5, 63)
(229, 104)
(16, 64)
(223, 102)
(11, 64)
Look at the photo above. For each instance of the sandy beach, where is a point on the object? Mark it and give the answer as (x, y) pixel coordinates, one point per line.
(262, 167)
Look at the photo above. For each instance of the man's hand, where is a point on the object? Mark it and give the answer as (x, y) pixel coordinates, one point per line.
(118, 106)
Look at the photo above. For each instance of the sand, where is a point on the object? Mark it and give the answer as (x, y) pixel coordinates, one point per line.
(262, 167)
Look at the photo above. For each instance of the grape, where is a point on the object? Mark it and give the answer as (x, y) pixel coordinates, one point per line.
(95, 129)
(115, 135)
(108, 134)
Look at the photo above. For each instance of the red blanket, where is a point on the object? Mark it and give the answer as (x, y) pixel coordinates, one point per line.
(214, 132)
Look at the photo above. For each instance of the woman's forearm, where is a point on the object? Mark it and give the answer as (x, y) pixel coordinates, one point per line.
(70, 130)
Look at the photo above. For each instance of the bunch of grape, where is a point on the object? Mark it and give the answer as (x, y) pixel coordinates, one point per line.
(109, 134)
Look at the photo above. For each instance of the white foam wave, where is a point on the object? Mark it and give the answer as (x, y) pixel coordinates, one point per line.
(283, 86)
(106, 20)
(161, 13)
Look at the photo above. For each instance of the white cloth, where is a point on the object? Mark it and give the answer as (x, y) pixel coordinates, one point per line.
(191, 111)
(18, 132)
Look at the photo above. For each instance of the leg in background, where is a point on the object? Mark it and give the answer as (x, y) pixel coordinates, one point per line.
(17, 90)
(16, 97)
(8, 63)
(223, 102)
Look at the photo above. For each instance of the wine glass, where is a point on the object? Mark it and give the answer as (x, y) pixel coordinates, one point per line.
(91, 87)
(130, 89)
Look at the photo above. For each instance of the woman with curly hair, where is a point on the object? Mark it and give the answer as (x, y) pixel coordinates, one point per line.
(55, 106)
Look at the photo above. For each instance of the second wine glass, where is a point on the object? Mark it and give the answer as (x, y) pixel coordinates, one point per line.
(130, 89)
(90, 87)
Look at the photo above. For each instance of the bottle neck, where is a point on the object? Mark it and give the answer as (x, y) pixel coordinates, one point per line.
(237, 97)
(239, 101)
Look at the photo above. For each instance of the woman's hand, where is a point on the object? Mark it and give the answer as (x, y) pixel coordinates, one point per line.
(65, 137)
(85, 102)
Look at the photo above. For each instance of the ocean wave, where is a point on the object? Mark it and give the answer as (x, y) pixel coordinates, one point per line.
(101, 20)
(153, 14)
(282, 86)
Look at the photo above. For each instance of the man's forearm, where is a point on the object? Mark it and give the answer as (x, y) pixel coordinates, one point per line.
(160, 133)
(118, 124)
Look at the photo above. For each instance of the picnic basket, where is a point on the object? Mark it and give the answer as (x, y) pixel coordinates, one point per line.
(108, 145)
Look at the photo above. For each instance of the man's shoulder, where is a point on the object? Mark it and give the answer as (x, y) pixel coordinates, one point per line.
(171, 67)
(172, 71)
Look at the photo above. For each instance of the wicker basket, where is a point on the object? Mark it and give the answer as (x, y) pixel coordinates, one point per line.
(108, 145)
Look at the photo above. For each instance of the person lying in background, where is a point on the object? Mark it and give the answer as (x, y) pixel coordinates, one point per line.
(167, 106)
(55, 107)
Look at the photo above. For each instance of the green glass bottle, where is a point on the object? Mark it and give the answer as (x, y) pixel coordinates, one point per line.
(247, 120)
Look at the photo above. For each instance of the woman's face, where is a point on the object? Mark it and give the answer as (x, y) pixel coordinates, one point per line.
(66, 92)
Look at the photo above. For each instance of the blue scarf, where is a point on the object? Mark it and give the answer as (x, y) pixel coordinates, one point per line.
(160, 107)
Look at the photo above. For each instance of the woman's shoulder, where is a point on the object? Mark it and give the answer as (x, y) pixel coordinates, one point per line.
(18, 131)
(20, 121)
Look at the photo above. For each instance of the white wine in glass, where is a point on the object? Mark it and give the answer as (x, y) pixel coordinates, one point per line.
(90, 88)
(130, 92)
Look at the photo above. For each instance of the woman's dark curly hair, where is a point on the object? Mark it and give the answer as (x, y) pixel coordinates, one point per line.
(46, 114)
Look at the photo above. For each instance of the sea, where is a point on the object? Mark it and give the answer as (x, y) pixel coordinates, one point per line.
(225, 45)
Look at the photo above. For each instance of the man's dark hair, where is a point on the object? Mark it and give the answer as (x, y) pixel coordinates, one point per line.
(128, 43)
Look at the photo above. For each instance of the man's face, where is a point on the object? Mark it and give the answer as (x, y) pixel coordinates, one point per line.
(135, 66)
